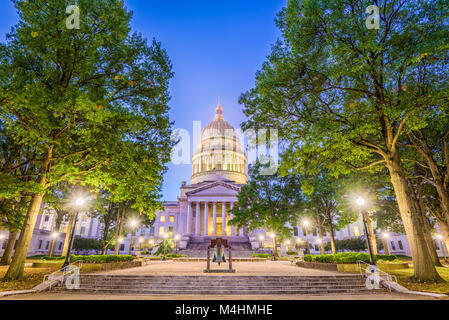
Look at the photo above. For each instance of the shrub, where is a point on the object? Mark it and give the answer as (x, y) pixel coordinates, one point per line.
(47, 258)
(173, 255)
(346, 257)
(291, 252)
(261, 255)
(102, 259)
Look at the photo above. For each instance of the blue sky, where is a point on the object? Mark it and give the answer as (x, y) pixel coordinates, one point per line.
(215, 47)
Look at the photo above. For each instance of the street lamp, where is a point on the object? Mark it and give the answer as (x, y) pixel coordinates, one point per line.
(261, 239)
(361, 202)
(133, 225)
(306, 224)
(176, 241)
(79, 203)
(440, 237)
(165, 246)
(273, 236)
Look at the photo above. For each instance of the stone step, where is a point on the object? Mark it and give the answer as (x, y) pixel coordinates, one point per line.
(229, 287)
(228, 292)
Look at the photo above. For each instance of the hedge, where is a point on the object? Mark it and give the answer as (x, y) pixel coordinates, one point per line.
(101, 258)
(346, 257)
(47, 258)
(261, 255)
(173, 255)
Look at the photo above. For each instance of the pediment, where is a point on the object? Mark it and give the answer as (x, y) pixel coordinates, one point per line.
(215, 188)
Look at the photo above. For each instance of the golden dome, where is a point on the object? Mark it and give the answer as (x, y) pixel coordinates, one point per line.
(219, 154)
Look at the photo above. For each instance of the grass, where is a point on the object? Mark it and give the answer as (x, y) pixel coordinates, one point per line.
(404, 276)
(31, 278)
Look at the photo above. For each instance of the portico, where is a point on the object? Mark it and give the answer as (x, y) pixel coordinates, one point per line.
(207, 217)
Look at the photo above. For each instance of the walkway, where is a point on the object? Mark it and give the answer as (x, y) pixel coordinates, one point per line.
(267, 268)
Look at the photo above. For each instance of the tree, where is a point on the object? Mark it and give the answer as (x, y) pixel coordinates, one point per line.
(91, 103)
(347, 95)
(164, 247)
(267, 201)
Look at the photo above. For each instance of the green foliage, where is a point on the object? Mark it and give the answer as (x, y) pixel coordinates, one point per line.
(174, 255)
(101, 258)
(267, 202)
(261, 255)
(353, 244)
(165, 247)
(346, 257)
(80, 244)
(47, 258)
(292, 252)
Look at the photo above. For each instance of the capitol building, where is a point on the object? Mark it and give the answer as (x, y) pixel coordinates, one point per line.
(202, 210)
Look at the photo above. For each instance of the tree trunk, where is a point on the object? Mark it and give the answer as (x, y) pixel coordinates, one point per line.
(118, 231)
(275, 248)
(371, 235)
(424, 268)
(6, 258)
(51, 251)
(386, 248)
(427, 229)
(331, 235)
(321, 232)
(68, 234)
(15, 270)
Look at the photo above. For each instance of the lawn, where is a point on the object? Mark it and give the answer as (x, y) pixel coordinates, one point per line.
(31, 278)
(404, 276)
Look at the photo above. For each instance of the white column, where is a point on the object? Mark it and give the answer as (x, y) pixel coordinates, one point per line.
(214, 212)
(206, 218)
(242, 233)
(223, 219)
(232, 216)
(189, 218)
(197, 222)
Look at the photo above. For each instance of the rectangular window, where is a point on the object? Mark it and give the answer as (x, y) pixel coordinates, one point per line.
(152, 232)
(4, 244)
(400, 245)
(393, 246)
(60, 246)
(47, 245)
(122, 247)
(85, 218)
(295, 232)
(170, 231)
(161, 231)
(171, 219)
(268, 234)
(162, 219)
(83, 230)
(356, 231)
(39, 244)
(46, 218)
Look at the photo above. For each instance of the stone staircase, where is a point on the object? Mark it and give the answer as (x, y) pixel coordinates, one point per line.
(223, 285)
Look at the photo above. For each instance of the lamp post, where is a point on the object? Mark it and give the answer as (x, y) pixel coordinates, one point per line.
(273, 236)
(54, 237)
(79, 203)
(165, 246)
(440, 237)
(385, 237)
(306, 225)
(151, 243)
(261, 239)
(361, 203)
(176, 242)
(133, 224)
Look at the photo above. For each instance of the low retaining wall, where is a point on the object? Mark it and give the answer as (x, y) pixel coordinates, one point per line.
(92, 267)
(348, 267)
(233, 259)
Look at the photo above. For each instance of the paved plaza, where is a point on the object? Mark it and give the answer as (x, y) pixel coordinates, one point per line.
(265, 268)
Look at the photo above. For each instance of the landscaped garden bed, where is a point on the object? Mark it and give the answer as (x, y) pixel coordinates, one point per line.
(347, 262)
(91, 263)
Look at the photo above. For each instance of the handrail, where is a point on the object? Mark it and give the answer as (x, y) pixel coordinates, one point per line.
(61, 274)
(383, 275)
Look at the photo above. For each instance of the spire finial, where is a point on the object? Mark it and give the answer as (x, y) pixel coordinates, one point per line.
(219, 110)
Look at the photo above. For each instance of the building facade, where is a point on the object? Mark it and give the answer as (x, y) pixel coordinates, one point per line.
(202, 210)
